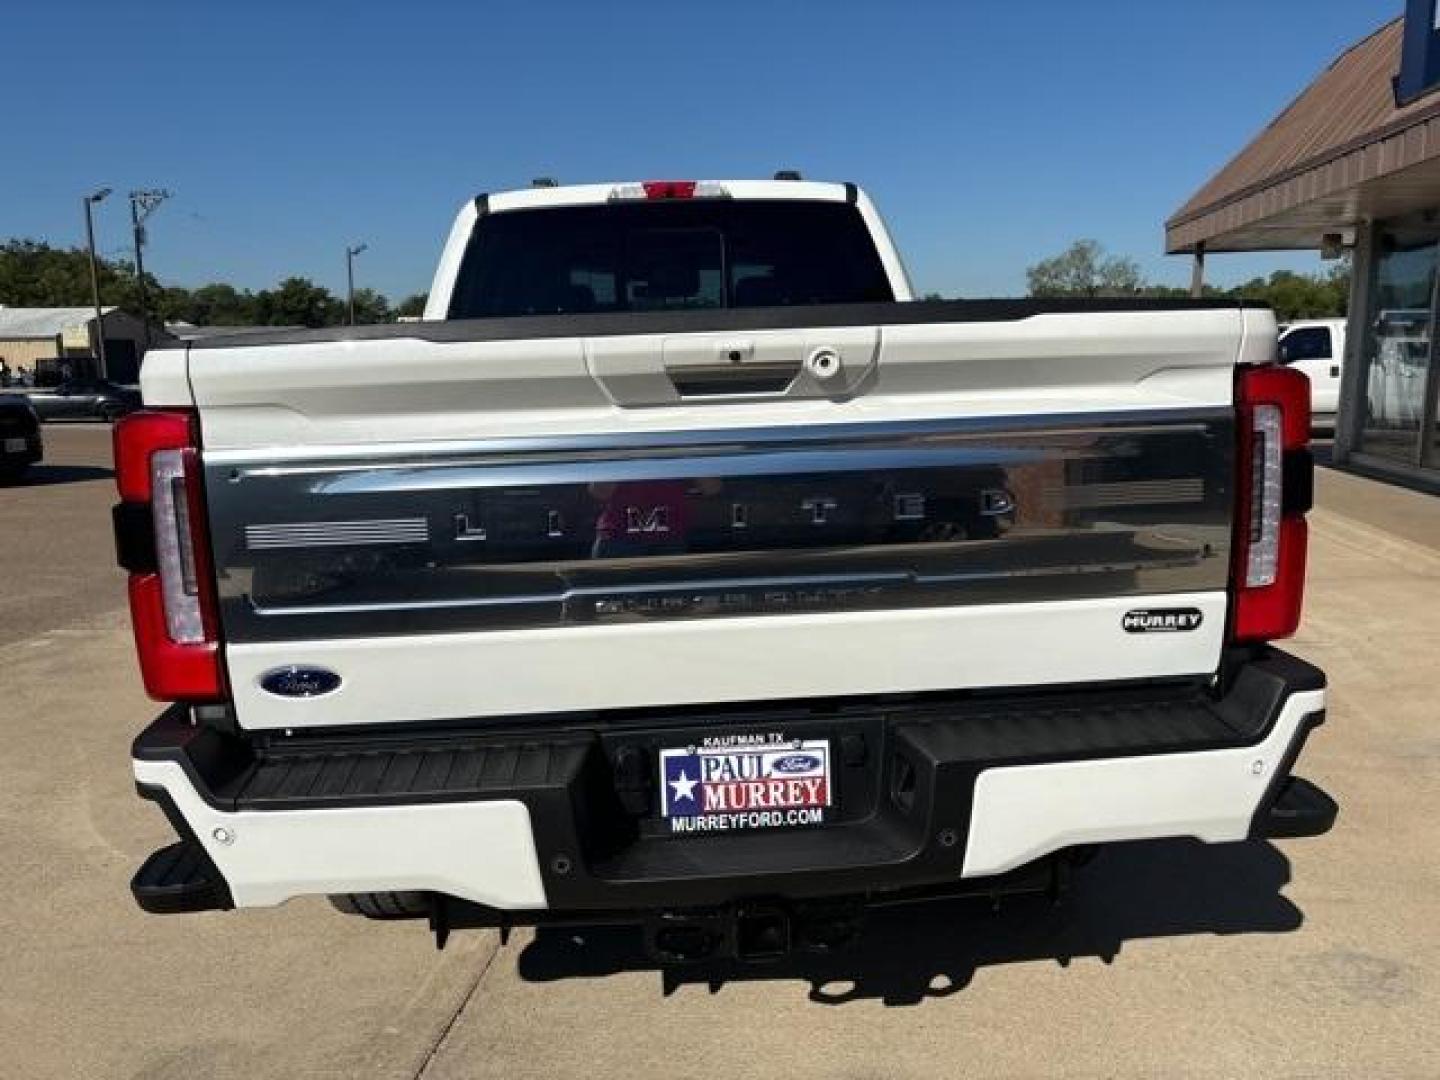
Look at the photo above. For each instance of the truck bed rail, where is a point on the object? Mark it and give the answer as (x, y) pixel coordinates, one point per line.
(612, 324)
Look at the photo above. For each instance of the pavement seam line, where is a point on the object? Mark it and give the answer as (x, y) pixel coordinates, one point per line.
(465, 1000)
(1346, 530)
(83, 626)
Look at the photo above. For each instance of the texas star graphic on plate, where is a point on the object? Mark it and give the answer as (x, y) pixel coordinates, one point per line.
(684, 786)
(749, 786)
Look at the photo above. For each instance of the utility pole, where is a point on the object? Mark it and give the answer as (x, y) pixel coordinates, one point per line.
(90, 201)
(350, 253)
(142, 204)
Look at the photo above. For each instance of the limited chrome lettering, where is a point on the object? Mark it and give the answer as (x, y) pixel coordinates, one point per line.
(909, 506)
(996, 502)
(651, 521)
(819, 507)
(466, 531)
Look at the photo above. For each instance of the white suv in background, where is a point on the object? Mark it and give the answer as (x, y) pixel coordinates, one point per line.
(1317, 348)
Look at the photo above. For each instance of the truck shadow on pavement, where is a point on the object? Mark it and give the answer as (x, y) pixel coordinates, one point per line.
(1155, 889)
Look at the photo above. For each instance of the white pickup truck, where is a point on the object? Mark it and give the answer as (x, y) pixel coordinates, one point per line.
(680, 568)
(1316, 349)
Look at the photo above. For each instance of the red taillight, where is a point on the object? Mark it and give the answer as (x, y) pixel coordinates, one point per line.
(1272, 495)
(669, 189)
(172, 600)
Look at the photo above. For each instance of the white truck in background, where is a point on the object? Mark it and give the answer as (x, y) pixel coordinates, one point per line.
(679, 567)
(1316, 349)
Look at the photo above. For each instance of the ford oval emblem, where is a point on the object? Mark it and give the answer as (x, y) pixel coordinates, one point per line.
(794, 763)
(299, 682)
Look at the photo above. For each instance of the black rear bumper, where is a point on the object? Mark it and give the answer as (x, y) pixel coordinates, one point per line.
(904, 773)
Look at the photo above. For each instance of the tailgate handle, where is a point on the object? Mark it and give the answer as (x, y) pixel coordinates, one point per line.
(732, 369)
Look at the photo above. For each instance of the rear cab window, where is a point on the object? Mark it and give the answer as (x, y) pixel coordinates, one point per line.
(668, 255)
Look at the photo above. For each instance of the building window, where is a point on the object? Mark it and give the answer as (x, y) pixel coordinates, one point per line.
(1397, 354)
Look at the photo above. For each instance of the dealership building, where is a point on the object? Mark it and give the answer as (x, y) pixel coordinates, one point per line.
(1353, 166)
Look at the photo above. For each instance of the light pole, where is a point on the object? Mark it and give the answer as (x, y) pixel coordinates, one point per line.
(90, 201)
(350, 253)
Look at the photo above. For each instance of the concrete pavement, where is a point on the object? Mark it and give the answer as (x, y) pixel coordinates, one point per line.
(57, 559)
(93, 988)
(1311, 958)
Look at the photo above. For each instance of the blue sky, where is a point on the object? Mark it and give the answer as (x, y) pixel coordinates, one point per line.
(991, 134)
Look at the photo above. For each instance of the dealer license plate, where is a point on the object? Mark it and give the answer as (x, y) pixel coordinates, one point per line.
(731, 782)
(14, 446)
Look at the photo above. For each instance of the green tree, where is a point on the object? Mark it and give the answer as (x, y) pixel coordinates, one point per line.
(371, 307)
(1176, 292)
(1301, 296)
(221, 305)
(34, 274)
(298, 301)
(1084, 269)
(1338, 279)
(413, 306)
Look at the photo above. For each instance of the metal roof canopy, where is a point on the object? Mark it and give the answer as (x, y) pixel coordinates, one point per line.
(44, 322)
(1342, 153)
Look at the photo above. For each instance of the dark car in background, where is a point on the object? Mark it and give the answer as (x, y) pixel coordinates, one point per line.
(20, 442)
(84, 399)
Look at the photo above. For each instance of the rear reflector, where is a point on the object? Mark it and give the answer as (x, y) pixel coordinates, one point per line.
(172, 605)
(1273, 488)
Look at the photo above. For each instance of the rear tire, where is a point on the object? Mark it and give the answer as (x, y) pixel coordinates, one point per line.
(383, 905)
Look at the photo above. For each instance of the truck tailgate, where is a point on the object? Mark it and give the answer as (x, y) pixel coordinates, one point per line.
(544, 515)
